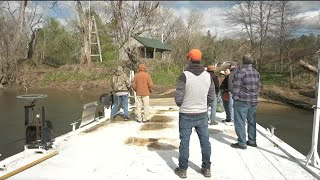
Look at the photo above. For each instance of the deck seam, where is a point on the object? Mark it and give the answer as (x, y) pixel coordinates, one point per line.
(271, 163)
(245, 164)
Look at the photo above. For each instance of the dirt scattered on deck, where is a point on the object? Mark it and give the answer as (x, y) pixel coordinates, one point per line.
(169, 110)
(157, 122)
(161, 146)
(161, 119)
(154, 126)
(140, 141)
(152, 143)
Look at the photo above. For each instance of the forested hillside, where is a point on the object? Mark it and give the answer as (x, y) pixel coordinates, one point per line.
(41, 51)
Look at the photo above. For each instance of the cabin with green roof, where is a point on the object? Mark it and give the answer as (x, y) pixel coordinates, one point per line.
(150, 48)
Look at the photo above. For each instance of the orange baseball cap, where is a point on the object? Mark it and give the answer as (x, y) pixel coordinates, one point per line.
(195, 54)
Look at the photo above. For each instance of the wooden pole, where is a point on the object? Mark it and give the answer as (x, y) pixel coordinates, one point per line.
(98, 40)
(28, 165)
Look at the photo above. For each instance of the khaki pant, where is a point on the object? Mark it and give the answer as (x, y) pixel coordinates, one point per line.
(143, 100)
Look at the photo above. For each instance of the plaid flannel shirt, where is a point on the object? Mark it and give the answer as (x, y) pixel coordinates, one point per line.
(246, 85)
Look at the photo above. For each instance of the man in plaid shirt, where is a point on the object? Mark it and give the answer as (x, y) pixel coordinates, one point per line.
(246, 86)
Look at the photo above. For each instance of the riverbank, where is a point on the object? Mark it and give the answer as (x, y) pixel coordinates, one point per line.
(287, 96)
(68, 78)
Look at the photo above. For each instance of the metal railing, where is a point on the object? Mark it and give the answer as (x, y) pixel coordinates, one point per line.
(313, 155)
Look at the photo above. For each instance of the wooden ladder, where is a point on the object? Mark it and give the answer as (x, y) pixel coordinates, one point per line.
(93, 31)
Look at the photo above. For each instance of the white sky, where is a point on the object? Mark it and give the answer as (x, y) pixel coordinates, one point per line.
(213, 17)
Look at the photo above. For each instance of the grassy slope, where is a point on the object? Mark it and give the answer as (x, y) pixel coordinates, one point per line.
(69, 77)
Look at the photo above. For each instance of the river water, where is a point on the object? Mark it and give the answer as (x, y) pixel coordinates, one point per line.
(294, 126)
(62, 108)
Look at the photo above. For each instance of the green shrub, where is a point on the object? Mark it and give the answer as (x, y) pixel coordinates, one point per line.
(166, 74)
(270, 78)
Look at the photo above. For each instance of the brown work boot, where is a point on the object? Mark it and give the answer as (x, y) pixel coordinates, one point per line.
(206, 172)
(182, 173)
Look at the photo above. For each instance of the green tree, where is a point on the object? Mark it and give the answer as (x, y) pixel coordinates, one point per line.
(56, 46)
(207, 47)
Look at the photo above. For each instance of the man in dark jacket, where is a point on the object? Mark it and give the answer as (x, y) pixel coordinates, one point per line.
(194, 92)
(233, 70)
(225, 96)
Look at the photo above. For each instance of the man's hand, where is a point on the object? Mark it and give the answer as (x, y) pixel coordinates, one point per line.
(227, 71)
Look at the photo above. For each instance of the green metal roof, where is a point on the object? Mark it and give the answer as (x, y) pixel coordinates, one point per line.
(152, 43)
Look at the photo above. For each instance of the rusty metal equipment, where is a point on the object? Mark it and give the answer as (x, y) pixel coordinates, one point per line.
(39, 131)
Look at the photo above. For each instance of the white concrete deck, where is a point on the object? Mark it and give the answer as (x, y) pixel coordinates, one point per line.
(129, 150)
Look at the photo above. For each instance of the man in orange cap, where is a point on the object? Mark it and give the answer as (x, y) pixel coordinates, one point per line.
(194, 92)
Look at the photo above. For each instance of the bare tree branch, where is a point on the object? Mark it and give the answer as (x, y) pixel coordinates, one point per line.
(10, 12)
(12, 44)
(53, 4)
(308, 66)
(131, 19)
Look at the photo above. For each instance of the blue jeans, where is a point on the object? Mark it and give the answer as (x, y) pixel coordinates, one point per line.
(243, 111)
(231, 110)
(213, 108)
(200, 123)
(219, 98)
(116, 105)
(226, 109)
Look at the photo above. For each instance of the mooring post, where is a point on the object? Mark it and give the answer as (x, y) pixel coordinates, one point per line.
(74, 125)
(2, 166)
(272, 128)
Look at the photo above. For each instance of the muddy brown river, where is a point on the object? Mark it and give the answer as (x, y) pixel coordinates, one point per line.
(293, 125)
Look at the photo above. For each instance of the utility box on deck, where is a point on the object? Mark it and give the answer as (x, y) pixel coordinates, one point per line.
(39, 131)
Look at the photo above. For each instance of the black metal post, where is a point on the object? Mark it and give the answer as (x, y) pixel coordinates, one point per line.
(43, 123)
